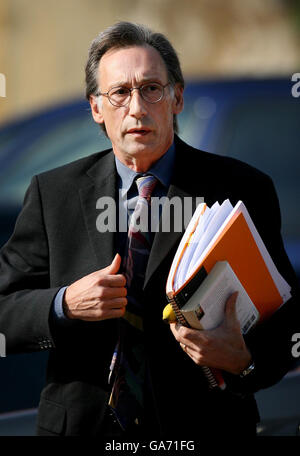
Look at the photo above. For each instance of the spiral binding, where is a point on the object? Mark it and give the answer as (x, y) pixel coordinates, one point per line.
(206, 370)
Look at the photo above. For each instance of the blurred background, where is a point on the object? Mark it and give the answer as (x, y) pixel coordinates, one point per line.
(241, 61)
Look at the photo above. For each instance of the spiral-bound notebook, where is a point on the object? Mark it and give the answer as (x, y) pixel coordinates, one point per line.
(206, 306)
(225, 233)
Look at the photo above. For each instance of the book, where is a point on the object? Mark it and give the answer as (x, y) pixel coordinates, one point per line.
(225, 233)
(205, 307)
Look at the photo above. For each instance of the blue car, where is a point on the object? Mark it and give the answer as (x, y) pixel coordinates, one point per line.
(254, 120)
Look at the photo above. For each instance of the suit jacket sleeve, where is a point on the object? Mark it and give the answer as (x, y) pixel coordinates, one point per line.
(270, 343)
(25, 295)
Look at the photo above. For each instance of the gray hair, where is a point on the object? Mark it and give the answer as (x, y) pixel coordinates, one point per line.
(124, 34)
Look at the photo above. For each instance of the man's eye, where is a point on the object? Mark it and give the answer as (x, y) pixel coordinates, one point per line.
(120, 91)
(151, 88)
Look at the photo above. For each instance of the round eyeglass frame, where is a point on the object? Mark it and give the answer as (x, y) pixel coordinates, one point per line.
(106, 94)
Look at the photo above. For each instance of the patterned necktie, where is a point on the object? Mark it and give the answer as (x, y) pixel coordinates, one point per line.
(128, 364)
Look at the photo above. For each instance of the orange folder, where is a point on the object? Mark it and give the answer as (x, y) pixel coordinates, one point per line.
(237, 246)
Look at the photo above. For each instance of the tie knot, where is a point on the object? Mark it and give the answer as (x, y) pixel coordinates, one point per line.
(145, 185)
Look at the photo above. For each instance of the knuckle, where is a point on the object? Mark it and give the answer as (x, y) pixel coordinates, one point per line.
(198, 359)
(122, 311)
(101, 280)
(206, 341)
(101, 307)
(117, 313)
(121, 302)
(101, 292)
(99, 313)
(183, 331)
(123, 280)
(124, 292)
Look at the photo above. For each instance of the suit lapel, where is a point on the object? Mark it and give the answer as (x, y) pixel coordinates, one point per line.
(102, 183)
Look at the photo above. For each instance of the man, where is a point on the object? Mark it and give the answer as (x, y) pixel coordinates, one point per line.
(65, 285)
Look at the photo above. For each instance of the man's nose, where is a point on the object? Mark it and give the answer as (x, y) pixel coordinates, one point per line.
(137, 106)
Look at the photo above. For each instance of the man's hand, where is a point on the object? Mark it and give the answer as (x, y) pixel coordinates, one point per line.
(97, 296)
(223, 347)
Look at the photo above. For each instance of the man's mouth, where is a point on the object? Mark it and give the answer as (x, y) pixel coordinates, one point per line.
(139, 131)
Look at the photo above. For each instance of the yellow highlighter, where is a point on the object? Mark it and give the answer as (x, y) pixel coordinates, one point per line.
(169, 314)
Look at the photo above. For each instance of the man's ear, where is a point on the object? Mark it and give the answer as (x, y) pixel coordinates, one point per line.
(96, 107)
(178, 99)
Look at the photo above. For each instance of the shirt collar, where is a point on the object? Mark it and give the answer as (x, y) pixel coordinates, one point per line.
(162, 170)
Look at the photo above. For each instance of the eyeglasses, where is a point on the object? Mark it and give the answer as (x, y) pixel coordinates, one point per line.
(152, 92)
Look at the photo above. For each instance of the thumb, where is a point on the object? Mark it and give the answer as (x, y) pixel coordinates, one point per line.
(114, 267)
(230, 307)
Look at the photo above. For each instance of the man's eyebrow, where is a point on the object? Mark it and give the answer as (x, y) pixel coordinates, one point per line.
(117, 84)
(143, 81)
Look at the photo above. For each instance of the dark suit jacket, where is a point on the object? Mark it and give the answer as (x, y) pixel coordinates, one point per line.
(55, 242)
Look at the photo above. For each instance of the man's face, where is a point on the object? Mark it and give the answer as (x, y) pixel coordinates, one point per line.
(140, 132)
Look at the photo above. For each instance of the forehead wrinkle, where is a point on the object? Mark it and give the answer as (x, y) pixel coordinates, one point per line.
(131, 76)
(136, 76)
(140, 81)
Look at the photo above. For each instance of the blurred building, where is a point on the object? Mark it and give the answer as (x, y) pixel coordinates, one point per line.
(44, 43)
